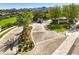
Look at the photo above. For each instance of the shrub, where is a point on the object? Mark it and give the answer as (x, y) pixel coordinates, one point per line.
(56, 27)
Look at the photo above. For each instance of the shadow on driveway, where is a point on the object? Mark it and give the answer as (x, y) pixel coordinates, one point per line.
(9, 45)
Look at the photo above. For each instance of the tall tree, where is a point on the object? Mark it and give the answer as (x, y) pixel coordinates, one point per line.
(70, 12)
(39, 14)
(54, 12)
(24, 19)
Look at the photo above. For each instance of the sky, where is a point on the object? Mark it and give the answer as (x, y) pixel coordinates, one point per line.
(28, 5)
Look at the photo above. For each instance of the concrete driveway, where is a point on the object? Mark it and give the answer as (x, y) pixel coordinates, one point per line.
(7, 45)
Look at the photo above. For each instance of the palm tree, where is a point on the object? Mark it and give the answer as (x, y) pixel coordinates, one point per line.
(24, 19)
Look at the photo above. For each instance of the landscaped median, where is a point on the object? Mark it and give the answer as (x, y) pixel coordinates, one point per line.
(5, 31)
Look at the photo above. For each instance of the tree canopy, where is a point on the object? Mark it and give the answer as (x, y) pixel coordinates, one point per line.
(54, 12)
(24, 18)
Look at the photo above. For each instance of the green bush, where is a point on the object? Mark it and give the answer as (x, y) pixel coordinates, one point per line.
(56, 27)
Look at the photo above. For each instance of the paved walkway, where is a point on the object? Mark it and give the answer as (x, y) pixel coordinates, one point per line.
(6, 30)
(45, 41)
(7, 45)
(75, 48)
(65, 47)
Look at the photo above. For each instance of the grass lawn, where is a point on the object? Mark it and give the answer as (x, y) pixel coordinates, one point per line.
(56, 27)
(7, 21)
